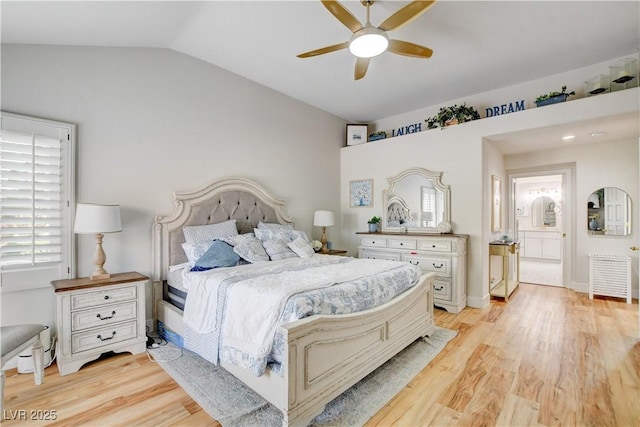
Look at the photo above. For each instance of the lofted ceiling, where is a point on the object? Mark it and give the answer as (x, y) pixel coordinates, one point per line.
(478, 45)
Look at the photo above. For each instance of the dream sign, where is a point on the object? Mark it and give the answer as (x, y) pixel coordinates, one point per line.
(511, 107)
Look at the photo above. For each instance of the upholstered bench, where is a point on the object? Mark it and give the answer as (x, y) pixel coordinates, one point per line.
(15, 339)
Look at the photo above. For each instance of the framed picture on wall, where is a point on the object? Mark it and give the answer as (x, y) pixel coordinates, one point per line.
(362, 193)
(356, 134)
(496, 203)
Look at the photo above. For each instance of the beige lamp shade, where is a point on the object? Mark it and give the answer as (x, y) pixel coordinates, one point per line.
(92, 218)
(323, 219)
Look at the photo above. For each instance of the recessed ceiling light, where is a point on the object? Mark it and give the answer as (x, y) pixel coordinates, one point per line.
(596, 134)
(568, 137)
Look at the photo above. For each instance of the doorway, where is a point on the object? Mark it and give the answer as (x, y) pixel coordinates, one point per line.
(540, 202)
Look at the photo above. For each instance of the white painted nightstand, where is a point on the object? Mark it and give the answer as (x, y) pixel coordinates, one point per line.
(97, 316)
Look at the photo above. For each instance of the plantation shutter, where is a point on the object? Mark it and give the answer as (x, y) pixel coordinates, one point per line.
(36, 188)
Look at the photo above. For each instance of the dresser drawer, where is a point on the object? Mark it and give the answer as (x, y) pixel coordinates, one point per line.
(378, 254)
(440, 266)
(435, 245)
(102, 337)
(402, 244)
(374, 242)
(100, 298)
(102, 316)
(442, 289)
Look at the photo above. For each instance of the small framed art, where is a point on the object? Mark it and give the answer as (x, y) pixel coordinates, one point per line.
(356, 134)
(362, 193)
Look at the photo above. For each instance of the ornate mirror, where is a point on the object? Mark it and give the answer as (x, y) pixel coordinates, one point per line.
(609, 212)
(417, 201)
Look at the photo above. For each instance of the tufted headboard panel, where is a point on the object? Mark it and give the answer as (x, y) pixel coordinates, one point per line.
(230, 198)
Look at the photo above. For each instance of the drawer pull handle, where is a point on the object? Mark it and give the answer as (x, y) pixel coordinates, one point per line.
(99, 316)
(438, 266)
(106, 297)
(414, 263)
(113, 334)
(438, 289)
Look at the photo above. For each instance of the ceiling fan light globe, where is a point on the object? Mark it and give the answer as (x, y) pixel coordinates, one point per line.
(368, 43)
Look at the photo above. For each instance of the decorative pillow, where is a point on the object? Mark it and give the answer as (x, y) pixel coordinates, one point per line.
(277, 249)
(219, 254)
(301, 247)
(250, 248)
(265, 234)
(235, 240)
(194, 251)
(199, 233)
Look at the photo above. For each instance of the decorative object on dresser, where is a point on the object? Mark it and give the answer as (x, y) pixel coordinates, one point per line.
(323, 219)
(361, 193)
(445, 255)
(416, 201)
(374, 223)
(97, 219)
(97, 316)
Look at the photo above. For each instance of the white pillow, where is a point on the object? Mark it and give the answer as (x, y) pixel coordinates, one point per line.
(301, 247)
(250, 249)
(277, 249)
(199, 233)
(274, 225)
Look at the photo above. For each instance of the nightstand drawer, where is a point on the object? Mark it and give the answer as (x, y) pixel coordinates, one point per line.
(374, 242)
(100, 298)
(434, 245)
(401, 243)
(100, 337)
(101, 316)
(440, 266)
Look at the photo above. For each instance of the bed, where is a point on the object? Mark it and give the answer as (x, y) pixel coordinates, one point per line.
(321, 355)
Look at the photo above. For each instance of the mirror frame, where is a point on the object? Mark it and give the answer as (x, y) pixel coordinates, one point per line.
(436, 177)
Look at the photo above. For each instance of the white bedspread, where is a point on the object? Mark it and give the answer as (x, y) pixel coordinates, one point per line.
(245, 304)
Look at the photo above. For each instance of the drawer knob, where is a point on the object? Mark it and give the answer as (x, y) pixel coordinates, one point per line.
(438, 266)
(373, 242)
(99, 316)
(439, 288)
(106, 297)
(414, 262)
(113, 334)
(401, 244)
(433, 246)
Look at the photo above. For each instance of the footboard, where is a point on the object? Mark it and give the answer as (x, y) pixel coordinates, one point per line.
(329, 354)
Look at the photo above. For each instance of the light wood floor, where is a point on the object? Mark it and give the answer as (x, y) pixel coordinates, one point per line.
(548, 357)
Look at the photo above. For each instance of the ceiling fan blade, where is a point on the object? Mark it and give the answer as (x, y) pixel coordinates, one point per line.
(361, 68)
(409, 49)
(406, 15)
(324, 50)
(343, 15)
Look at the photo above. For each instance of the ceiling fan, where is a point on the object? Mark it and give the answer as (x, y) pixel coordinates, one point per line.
(368, 41)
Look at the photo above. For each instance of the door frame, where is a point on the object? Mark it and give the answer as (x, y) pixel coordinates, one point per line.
(568, 209)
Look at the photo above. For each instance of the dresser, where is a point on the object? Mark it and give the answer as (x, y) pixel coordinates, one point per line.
(444, 254)
(97, 316)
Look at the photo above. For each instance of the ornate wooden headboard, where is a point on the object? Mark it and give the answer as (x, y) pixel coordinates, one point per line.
(229, 198)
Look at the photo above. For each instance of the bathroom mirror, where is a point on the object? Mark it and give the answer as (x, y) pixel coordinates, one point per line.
(543, 212)
(416, 201)
(609, 212)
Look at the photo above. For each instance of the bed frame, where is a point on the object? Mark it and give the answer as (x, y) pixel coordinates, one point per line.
(324, 355)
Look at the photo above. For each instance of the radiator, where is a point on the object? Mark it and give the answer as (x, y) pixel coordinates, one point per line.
(610, 275)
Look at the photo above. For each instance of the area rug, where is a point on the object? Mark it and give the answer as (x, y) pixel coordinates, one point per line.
(233, 404)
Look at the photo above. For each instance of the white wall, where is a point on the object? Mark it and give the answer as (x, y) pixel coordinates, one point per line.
(610, 164)
(153, 121)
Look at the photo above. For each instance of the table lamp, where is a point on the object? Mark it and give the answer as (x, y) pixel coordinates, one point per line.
(323, 219)
(97, 219)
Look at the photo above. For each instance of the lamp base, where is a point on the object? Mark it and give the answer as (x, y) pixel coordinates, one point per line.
(100, 276)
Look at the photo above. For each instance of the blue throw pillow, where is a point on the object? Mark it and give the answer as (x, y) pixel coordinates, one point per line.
(219, 254)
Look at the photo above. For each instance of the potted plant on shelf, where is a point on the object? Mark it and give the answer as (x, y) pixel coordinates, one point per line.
(375, 136)
(452, 115)
(553, 97)
(373, 224)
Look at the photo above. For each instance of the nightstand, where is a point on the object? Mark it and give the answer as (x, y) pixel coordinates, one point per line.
(335, 252)
(98, 316)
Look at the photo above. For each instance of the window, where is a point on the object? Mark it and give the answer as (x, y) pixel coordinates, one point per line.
(36, 201)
